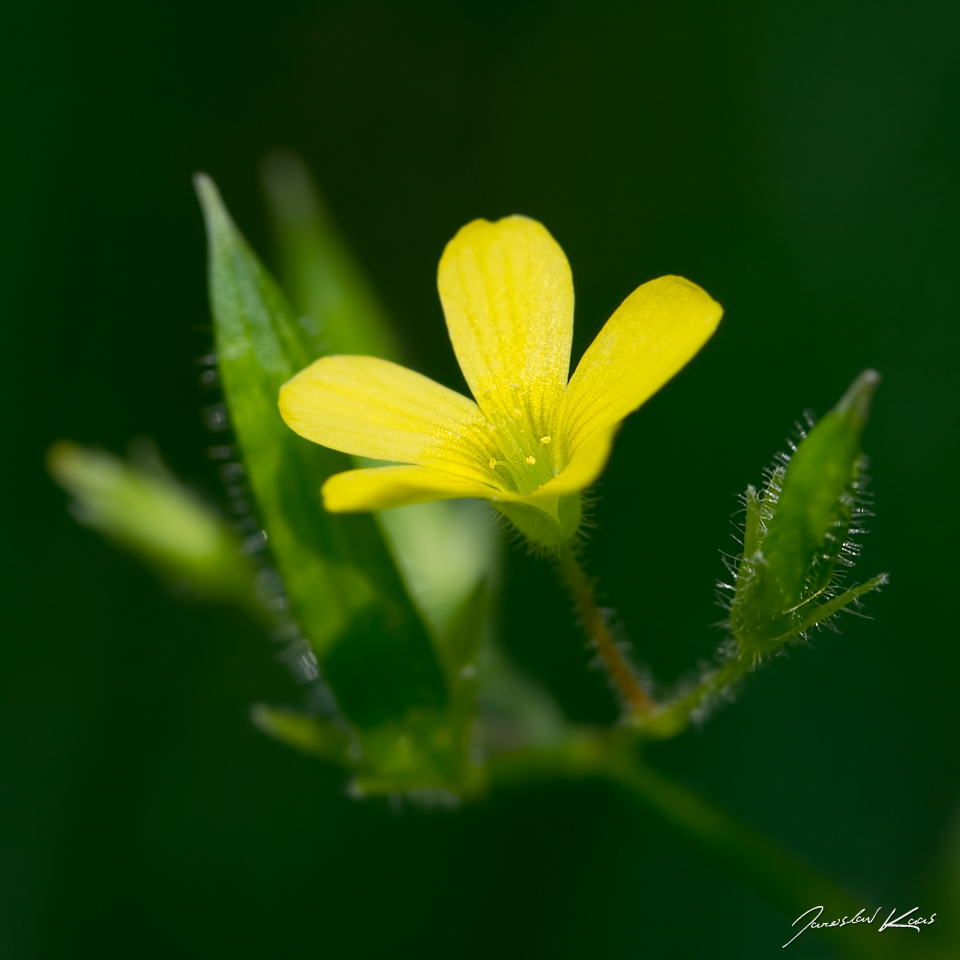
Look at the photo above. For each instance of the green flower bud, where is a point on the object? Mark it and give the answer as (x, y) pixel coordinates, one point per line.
(145, 509)
(800, 531)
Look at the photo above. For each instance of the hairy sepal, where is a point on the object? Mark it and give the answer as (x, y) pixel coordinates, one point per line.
(799, 532)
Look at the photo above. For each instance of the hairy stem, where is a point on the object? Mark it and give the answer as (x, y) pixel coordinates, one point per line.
(672, 717)
(638, 701)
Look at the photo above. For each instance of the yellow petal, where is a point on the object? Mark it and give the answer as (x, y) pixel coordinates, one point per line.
(507, 295)
(379, 488)
(654, 333)
(373, 408)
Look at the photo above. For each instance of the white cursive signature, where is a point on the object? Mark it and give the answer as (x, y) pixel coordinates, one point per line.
(914, 923)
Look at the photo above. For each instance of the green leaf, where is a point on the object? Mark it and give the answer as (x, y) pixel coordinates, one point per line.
(341, 311)
(343, 587)
(444, 758)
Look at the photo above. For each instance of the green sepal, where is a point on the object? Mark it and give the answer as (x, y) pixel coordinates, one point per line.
(316, 736)
(760, 619)
(550, 524)
(344, 589)
(752, 525)
(813, 510)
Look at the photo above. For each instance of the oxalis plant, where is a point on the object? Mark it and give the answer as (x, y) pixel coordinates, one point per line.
(383, 613)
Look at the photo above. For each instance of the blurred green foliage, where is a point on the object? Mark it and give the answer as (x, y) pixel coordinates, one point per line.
(143, 507)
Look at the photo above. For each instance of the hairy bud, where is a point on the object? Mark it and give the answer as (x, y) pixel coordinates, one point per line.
(799, 532)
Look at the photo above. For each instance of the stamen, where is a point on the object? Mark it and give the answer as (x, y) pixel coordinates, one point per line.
(544, 439)
(493, 463)
(530, 460)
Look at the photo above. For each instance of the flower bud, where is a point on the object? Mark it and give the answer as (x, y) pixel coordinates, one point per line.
(799, 532)
(145, 509)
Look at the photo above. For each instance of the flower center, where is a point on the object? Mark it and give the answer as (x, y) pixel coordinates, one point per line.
(525, 456)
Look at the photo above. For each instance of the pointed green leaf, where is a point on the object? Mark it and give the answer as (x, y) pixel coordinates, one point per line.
(344, 589)
(443, 759)
(341, 310)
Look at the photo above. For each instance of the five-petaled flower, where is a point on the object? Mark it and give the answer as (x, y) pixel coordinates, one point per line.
(530, 441)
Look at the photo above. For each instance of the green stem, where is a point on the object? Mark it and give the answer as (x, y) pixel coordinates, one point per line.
(637, 700)
(738, 850)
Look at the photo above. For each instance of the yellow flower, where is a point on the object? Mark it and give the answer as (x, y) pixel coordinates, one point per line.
(530, 441)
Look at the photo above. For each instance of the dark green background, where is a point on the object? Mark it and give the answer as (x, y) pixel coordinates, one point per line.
(799, 160)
